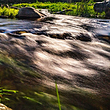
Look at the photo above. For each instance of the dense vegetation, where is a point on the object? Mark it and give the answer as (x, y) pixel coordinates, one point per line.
(76, 9)
(8, 12)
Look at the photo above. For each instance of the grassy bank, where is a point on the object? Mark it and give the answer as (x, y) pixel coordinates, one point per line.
(84, 9)
(8, 12)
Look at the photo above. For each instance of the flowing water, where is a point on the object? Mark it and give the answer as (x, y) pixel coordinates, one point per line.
(73, 51)
(73, 25)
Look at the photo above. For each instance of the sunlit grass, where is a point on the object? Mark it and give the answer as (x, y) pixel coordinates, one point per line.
(84, 9)
(58, 98)
(77, 9)
(11, 13)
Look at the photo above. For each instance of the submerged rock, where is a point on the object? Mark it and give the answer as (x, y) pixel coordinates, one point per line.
(107, 10)
(84, 37)
(3, 16)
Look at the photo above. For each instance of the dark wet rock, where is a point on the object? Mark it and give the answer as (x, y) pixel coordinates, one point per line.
(2, 16)
(100, 7)
(84, 37)
(20, 31)
(103, 7)
(2, 30)
(45, 19)
(105, 38)
(16, 35)
(107, 10)
(87, 27)
(60, 36)
(29, 12)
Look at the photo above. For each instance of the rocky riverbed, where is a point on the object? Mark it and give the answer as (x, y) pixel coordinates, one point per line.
(69, 50)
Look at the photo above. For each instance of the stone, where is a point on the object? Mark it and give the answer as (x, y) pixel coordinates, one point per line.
(99, 7)
(29, 12)
(3, 16)
(84, 37)
(3, 107)
(107, 10)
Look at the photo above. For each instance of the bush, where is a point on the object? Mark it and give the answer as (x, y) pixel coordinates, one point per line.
(80, 8)
(11, 13)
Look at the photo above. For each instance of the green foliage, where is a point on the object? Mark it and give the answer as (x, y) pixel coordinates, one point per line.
(32, 100)
(11, 13)
(77, 9)
(59, 105)
(6, 92)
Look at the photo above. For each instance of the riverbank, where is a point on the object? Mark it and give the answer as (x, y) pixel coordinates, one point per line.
(84, 9)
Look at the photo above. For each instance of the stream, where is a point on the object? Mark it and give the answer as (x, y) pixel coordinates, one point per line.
(72, 51)
(95, 26)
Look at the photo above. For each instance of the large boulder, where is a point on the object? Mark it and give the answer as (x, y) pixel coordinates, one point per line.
(104, 6)
(99, 7)
(29, 12)
(107, 10)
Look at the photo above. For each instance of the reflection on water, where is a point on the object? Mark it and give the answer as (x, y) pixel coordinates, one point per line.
(13, 25)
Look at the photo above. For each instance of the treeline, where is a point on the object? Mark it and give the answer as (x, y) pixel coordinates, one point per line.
(33, 1)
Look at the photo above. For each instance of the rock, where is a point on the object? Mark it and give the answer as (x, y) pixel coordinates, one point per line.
(107, 10)
(44, 19)
(105, 38)
(100, 7)
(29, 12)
(84, 37)
(3, 16)
(3, 107)
(2, 30)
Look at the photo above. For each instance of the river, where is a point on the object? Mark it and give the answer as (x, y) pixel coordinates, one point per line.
(73, 51)
(74, 25)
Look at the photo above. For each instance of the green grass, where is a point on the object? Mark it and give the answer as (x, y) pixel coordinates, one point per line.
(11, 13)
(78, 9)
(58, 98)
(84, 9)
